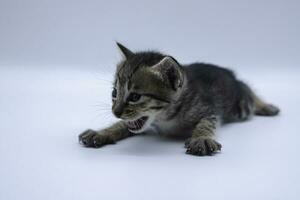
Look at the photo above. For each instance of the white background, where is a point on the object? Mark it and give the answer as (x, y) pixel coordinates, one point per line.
(57, 60)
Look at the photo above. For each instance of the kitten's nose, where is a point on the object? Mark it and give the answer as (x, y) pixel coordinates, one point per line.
(117, 113)
(118, 110)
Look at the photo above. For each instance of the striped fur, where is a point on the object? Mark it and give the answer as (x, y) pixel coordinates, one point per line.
(181, 100)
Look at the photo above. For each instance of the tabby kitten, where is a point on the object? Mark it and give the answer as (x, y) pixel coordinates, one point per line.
(152, 91)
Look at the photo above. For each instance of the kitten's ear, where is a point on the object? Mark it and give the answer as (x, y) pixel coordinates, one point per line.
(126, 52)
(169, 70)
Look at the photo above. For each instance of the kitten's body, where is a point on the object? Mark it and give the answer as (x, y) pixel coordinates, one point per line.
(181, 100)
(218, 93)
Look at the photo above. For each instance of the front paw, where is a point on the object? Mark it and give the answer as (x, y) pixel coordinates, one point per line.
(91, 138)
(202, 146)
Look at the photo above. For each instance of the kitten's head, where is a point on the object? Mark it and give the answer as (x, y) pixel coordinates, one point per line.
(145, 84)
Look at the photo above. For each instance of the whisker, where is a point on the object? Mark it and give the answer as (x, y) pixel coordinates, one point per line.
(101, 106)
(105, 103)
(105, 114)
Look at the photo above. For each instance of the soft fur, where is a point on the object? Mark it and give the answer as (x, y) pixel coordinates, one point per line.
(154, 92)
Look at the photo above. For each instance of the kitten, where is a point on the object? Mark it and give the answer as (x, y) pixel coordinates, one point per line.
(153, 91)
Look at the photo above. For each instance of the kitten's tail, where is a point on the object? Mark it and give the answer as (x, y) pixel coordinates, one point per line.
(259, 107)
(264, 109)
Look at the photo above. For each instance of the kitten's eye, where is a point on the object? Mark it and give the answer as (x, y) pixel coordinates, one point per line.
(134, 97)
(114, 93)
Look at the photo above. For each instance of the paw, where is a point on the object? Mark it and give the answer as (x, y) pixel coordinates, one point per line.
(91, 138)
(202, 146)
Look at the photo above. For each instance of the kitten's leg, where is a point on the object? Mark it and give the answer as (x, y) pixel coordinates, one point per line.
(110, 135)
(202, 143)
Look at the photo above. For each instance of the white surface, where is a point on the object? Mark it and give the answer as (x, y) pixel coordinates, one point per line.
(80, 32)
(50, 92)
(43, 111)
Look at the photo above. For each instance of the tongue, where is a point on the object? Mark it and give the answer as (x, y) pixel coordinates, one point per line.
(137, 124)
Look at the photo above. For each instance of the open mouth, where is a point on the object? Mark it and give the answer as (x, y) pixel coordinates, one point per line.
(137, 124)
